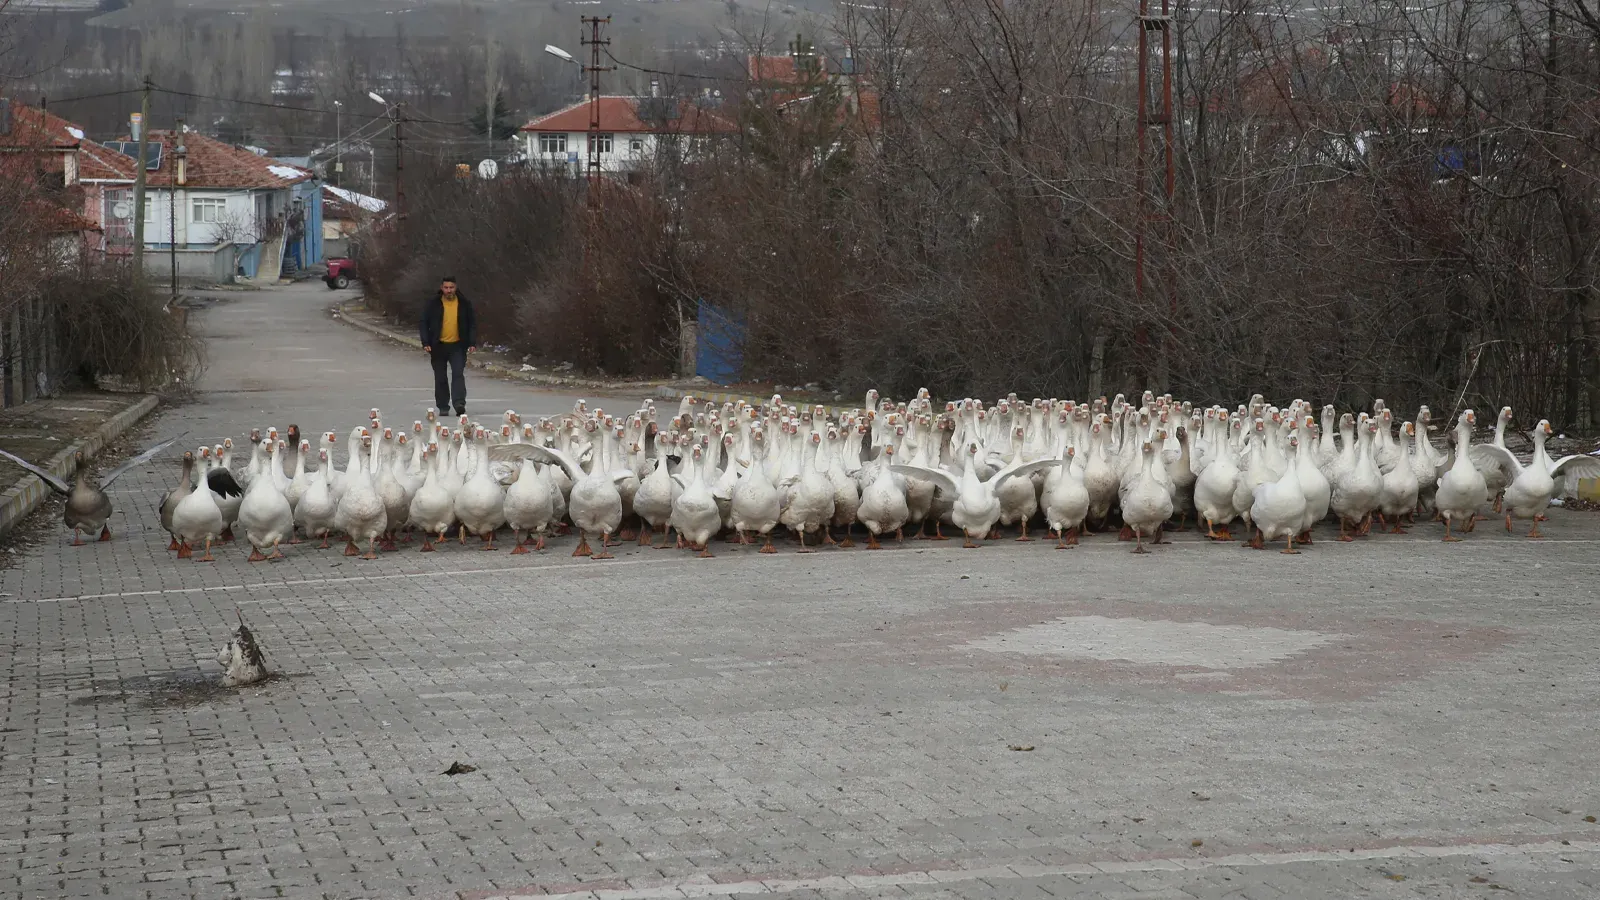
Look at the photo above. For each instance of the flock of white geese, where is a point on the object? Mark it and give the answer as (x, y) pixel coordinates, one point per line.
(742, 470)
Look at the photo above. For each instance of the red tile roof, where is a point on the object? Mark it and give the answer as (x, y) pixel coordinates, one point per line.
(55, 137)
(100, 163)
(215, 165)
(35, 128)
(621, 114)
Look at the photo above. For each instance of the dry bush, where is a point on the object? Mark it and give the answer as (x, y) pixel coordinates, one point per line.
(111, 326)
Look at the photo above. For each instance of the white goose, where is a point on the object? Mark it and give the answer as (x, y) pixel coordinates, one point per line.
(529, 506)
(810, 494)
(1398, 497)
(1279, 508)
(432, 510)
(317, 507)
(694, 511)
(1146, 504)
(755, 503)
(1214, 485)
(652, 503)
(480, 504)
(977, 506)
(1462, 490)
(1065, 500)
(1356, 486)
(883, 506)
(265, 513)
(595, 506)
(360, 514)
(1314, 485)
(197, 518)
(1531, 487)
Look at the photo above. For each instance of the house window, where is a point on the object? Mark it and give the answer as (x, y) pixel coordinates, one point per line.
(635, 145)
(552, 143)
(149, 209)
(602, 143)
(210, 210)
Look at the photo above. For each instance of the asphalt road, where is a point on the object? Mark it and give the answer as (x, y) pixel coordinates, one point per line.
(1390, 718)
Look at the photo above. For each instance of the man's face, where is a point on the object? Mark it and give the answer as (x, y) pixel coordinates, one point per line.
(449, 288)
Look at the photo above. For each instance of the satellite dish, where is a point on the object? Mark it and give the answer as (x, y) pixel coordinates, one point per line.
(122, 210)
(488, 169)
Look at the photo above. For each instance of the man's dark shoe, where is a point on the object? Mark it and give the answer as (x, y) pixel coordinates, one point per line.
(460, 411)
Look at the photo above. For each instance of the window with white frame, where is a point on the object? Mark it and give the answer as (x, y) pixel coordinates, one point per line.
(602, 143)
(210, 210)
(636, 145)
(552, 143)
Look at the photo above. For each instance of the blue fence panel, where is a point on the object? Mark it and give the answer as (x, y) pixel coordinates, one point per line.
(719, 355)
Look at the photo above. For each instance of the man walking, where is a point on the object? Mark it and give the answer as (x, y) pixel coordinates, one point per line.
(449, 331)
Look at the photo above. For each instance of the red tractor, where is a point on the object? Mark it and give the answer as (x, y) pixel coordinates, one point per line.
(341, 271)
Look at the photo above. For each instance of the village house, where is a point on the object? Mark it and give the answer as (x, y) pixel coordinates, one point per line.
(82, 180)
(222, 211)
(632, 131)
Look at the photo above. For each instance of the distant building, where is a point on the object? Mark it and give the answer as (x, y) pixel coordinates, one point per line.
(225, 210)
(79, 174)
(632, 131)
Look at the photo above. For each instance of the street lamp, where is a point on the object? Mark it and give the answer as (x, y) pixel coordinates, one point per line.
(397, 116)
(559, 53)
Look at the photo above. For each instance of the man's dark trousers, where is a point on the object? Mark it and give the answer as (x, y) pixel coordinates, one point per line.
(449, 376)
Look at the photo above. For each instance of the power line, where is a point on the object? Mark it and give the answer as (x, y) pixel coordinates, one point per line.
(649, 71)
(95, 96)
(283, 106)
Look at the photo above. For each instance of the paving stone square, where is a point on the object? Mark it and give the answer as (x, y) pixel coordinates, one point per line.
(1393, 718)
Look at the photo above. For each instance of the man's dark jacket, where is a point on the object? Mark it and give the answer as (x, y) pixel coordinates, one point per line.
(433, 317)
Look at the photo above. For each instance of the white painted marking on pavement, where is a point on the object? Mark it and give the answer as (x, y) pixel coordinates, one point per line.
(856, 883)
(610, 564)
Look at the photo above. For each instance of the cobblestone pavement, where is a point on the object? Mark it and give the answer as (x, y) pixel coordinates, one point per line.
(1394, 718)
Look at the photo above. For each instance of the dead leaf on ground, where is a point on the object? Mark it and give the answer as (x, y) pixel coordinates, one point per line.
(1589, 819)
(1199, 796)
(1394, 877)
(1197, 843)
(1478, 879)
(1138, 818)
(1021, 748)
(460, 768)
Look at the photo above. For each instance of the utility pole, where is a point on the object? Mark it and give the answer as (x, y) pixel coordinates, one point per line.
(399, 160)
(338, 143)
(491, 90)
(172, 210)
(595, 42)
(1155, 108)
(138, 183)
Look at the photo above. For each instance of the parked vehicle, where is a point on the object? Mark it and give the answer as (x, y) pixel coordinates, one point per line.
(341, 271)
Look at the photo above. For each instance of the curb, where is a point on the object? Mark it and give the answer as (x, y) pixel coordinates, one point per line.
(494, 367)
(28, 494)
(720, 397)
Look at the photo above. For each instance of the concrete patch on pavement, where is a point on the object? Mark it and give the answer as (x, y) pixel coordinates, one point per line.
(1311, 654)
(1158, 642)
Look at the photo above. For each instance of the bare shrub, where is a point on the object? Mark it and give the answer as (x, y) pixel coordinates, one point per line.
(111, 326)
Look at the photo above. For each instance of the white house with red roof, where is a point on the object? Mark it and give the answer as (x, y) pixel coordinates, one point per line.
(203, 196)
(632, 129)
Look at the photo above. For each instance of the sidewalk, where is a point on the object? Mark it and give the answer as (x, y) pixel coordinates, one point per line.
(48, 432)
